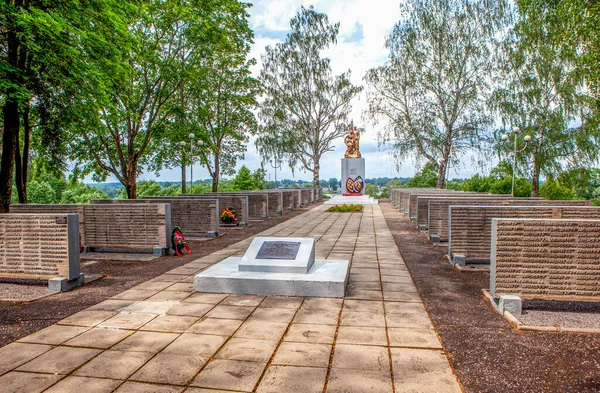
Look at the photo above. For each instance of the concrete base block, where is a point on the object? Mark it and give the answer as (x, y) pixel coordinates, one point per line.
(264, 218)
(413, 219)
(243, 224)
(510, 303)
(62, 284)
(212, 235)
(160, 251)
(278, 212)
(422, 227)
(458, 259)
(290, 208)
(352, 200)
(326, 278)
(434, 239)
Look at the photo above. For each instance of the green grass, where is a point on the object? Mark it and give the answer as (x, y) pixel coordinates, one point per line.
(345, 209)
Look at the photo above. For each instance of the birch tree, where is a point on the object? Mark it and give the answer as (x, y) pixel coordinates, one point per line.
(430, 95)
(305, 105)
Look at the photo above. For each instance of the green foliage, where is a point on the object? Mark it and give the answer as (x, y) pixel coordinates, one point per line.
(57, 183)
(149, 188)
(478, 183)
(391, 184)
(305, 107)
(225, 186)
(40, 191)
(372, 190)
(200, 187)
(537, 90)
(345, 209)
(80, 193)
(504, 186)
(258, 178)
(217, 103)
(454, 185)
(498, 182)
(426, 177)
(552, 189)
(243, 180)
(573, 29)
(584, 181)
(53, 53)
(333, 184)
(176, 44)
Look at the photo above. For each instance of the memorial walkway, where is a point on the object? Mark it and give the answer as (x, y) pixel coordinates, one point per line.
(160, 336)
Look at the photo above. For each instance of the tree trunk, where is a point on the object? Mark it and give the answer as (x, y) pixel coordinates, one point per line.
(131, 178)
(9, 145)
(444, 162)
(183, 179)
(131, 190)
(535, 180)
(22, 161)
(216, 174)
(316, 172)
(10, 112)
(441, 174)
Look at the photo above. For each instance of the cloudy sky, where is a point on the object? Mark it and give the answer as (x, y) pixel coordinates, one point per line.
(364, 25)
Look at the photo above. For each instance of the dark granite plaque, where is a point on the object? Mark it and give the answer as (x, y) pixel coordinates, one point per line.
(278, 250)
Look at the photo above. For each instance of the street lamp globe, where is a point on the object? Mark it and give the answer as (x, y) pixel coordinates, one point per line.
(200, 142)
(516, 130)
(182, 143)
(504, 138)
(527, 138)
(191, 136)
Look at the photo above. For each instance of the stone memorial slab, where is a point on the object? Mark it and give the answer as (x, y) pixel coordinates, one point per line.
(276, 266)
(279, 255)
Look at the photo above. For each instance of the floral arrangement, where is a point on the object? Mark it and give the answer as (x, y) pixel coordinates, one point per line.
(228, 216)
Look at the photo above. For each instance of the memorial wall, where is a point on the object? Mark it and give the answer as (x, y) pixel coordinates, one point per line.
(545, 259)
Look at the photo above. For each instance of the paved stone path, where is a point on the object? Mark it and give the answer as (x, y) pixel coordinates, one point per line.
(162, 337)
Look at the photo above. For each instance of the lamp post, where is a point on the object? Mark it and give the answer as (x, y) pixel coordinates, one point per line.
(199, 143)
(191, 136)
(516, 131)
(275, 164)
(182, 144)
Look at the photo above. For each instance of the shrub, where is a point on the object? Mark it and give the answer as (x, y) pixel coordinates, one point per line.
(345, 209)
(552, 189)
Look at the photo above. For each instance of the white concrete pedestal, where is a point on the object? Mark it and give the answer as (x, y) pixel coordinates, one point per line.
(276, 266)
(353, 171)
(351, 200)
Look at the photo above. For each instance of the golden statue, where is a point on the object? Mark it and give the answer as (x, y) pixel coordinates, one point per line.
(351, 141)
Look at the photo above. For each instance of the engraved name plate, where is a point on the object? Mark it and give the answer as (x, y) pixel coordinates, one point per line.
(278, 250)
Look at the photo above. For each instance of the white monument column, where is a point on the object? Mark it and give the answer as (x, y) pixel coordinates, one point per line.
(353, 176)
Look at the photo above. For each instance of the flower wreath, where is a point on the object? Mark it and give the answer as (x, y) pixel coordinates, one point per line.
(228, 215)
